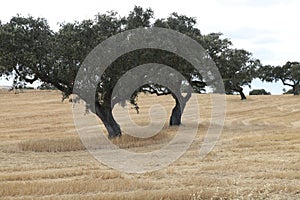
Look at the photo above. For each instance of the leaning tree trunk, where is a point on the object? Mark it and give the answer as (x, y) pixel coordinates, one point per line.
(105, 114)
(240, 91)
(175, 119)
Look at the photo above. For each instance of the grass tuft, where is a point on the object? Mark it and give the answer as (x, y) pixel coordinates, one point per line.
(52, 145)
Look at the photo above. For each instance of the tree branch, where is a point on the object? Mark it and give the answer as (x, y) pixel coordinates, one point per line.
(24, 77)
(284, 83)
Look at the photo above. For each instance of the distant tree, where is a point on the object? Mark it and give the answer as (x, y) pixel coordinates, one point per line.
(237, 66)
(259, 92)
(288, 74)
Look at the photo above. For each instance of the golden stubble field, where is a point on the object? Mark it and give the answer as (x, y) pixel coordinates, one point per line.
(257, 156)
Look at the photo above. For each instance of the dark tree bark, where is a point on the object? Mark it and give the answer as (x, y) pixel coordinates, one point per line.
(240, 91)
(175, 119)
(296, 89)
(105, 114)
(295, 86)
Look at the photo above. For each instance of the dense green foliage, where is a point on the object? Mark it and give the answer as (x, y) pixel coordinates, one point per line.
(35, 52)
(259, 92)
(288, 74)
(236, 66)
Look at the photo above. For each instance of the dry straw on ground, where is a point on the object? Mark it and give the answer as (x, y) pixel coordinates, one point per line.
(257, 157)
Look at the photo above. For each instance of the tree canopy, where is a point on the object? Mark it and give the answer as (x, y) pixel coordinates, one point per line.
(237, 66)
(288, 74)
(35, 52)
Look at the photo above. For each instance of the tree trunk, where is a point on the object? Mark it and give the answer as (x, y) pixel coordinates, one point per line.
(296, 89)
(175, 119)
(240, 91)
(105, 114)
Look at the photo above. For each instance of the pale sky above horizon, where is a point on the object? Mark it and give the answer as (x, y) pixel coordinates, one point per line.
(267, 28)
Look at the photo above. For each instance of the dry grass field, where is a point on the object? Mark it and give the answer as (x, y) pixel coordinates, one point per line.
(257, 156)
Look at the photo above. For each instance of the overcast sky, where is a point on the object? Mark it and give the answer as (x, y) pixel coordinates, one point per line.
(268, 28)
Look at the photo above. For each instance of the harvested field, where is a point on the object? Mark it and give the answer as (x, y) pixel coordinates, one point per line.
(257, 156)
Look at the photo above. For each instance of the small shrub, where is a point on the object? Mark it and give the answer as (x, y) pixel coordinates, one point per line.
(259, 92)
